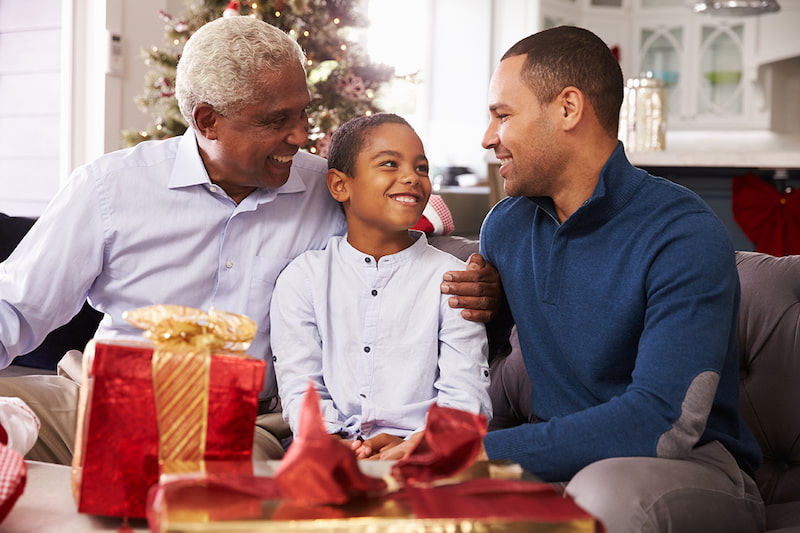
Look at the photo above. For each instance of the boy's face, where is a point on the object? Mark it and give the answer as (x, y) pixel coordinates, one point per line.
(391, 186)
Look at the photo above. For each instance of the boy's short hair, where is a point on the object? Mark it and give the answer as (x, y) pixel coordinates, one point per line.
(349, 139)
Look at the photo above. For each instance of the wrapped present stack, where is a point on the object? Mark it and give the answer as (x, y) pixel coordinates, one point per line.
(320, 486)
(182, 402)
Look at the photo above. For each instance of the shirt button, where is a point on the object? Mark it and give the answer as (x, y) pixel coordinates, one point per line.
(228, 264)
(368, 260)
(212, 188)
(366, 349)
(363, 395)
(374, 292)
(274, 358)
(486, 373)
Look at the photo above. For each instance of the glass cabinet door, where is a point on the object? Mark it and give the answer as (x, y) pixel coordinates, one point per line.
(721, 83)
(661, 51)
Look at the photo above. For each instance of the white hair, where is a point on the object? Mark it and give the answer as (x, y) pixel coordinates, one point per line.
(224, 61)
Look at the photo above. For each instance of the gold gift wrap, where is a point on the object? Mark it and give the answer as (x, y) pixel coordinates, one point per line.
(188, 507)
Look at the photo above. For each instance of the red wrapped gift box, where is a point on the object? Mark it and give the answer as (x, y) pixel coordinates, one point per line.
(117, 447)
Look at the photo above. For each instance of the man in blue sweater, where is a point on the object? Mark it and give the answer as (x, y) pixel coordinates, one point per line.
(624, 291)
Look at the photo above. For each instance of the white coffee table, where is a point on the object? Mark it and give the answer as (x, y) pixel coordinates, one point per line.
(47, 506)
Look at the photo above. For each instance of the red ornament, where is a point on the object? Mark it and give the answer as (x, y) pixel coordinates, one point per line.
(233, 9)
(353, 87)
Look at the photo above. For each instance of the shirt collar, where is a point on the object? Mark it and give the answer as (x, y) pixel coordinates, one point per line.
(408, 254)
(189, 169)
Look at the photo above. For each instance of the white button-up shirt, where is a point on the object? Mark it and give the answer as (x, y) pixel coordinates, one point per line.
(377, 338)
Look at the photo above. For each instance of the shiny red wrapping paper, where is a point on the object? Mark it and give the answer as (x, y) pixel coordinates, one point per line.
(255, 504)
(319, 486)
(117, 447)
(318, 468)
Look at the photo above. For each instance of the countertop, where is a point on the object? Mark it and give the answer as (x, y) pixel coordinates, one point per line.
(731, 149)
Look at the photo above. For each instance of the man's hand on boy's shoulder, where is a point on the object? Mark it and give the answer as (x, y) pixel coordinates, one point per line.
(476, 290)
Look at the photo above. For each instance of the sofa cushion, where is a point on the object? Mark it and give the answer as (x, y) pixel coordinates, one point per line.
(769, 355)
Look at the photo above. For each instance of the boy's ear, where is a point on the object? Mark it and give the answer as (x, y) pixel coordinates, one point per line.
(338, 185)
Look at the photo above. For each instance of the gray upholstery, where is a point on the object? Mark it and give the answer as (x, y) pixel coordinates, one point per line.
(769, 355)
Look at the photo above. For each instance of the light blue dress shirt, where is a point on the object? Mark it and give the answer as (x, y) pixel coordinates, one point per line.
(146, 226)
(377, 338)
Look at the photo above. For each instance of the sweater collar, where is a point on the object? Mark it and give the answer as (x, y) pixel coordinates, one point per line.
(616, 186)
(189, 170)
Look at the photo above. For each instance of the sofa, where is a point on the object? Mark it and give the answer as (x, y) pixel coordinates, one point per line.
(769, 357)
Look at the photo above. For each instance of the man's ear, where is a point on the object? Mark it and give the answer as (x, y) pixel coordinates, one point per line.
(572, 106)
(206, 119)
(338, 183)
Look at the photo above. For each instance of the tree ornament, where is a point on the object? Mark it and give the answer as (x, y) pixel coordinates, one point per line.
(353, 87)
(233, 9)
(323, 144)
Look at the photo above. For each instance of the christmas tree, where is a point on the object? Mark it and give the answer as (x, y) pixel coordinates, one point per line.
(343, 81)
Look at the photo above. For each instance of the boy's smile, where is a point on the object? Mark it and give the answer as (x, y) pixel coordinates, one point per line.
(389, 189)
(405, 198)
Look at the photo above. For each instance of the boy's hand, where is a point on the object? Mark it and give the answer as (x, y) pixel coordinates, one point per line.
(402, 449)
(476, 290)
(371, 448)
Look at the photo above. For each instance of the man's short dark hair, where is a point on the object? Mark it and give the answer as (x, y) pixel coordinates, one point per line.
(349, 139)
(568, 56)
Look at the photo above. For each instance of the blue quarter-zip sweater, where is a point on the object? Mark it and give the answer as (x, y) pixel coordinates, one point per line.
(626, 314)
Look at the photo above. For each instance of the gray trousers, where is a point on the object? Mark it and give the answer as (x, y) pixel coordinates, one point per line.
(706, 492)
(54, 399)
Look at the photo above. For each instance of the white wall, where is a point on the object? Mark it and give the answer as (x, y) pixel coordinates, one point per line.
(456, 82)
(141, 28)
(59, 106)
(29, 104)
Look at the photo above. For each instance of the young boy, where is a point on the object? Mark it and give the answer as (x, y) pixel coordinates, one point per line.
(364, 319)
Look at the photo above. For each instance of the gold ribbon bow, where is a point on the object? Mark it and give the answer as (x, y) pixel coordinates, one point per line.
(185, 338)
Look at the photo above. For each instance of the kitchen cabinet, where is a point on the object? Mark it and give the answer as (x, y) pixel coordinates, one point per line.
(706, 66)
(712, 67)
